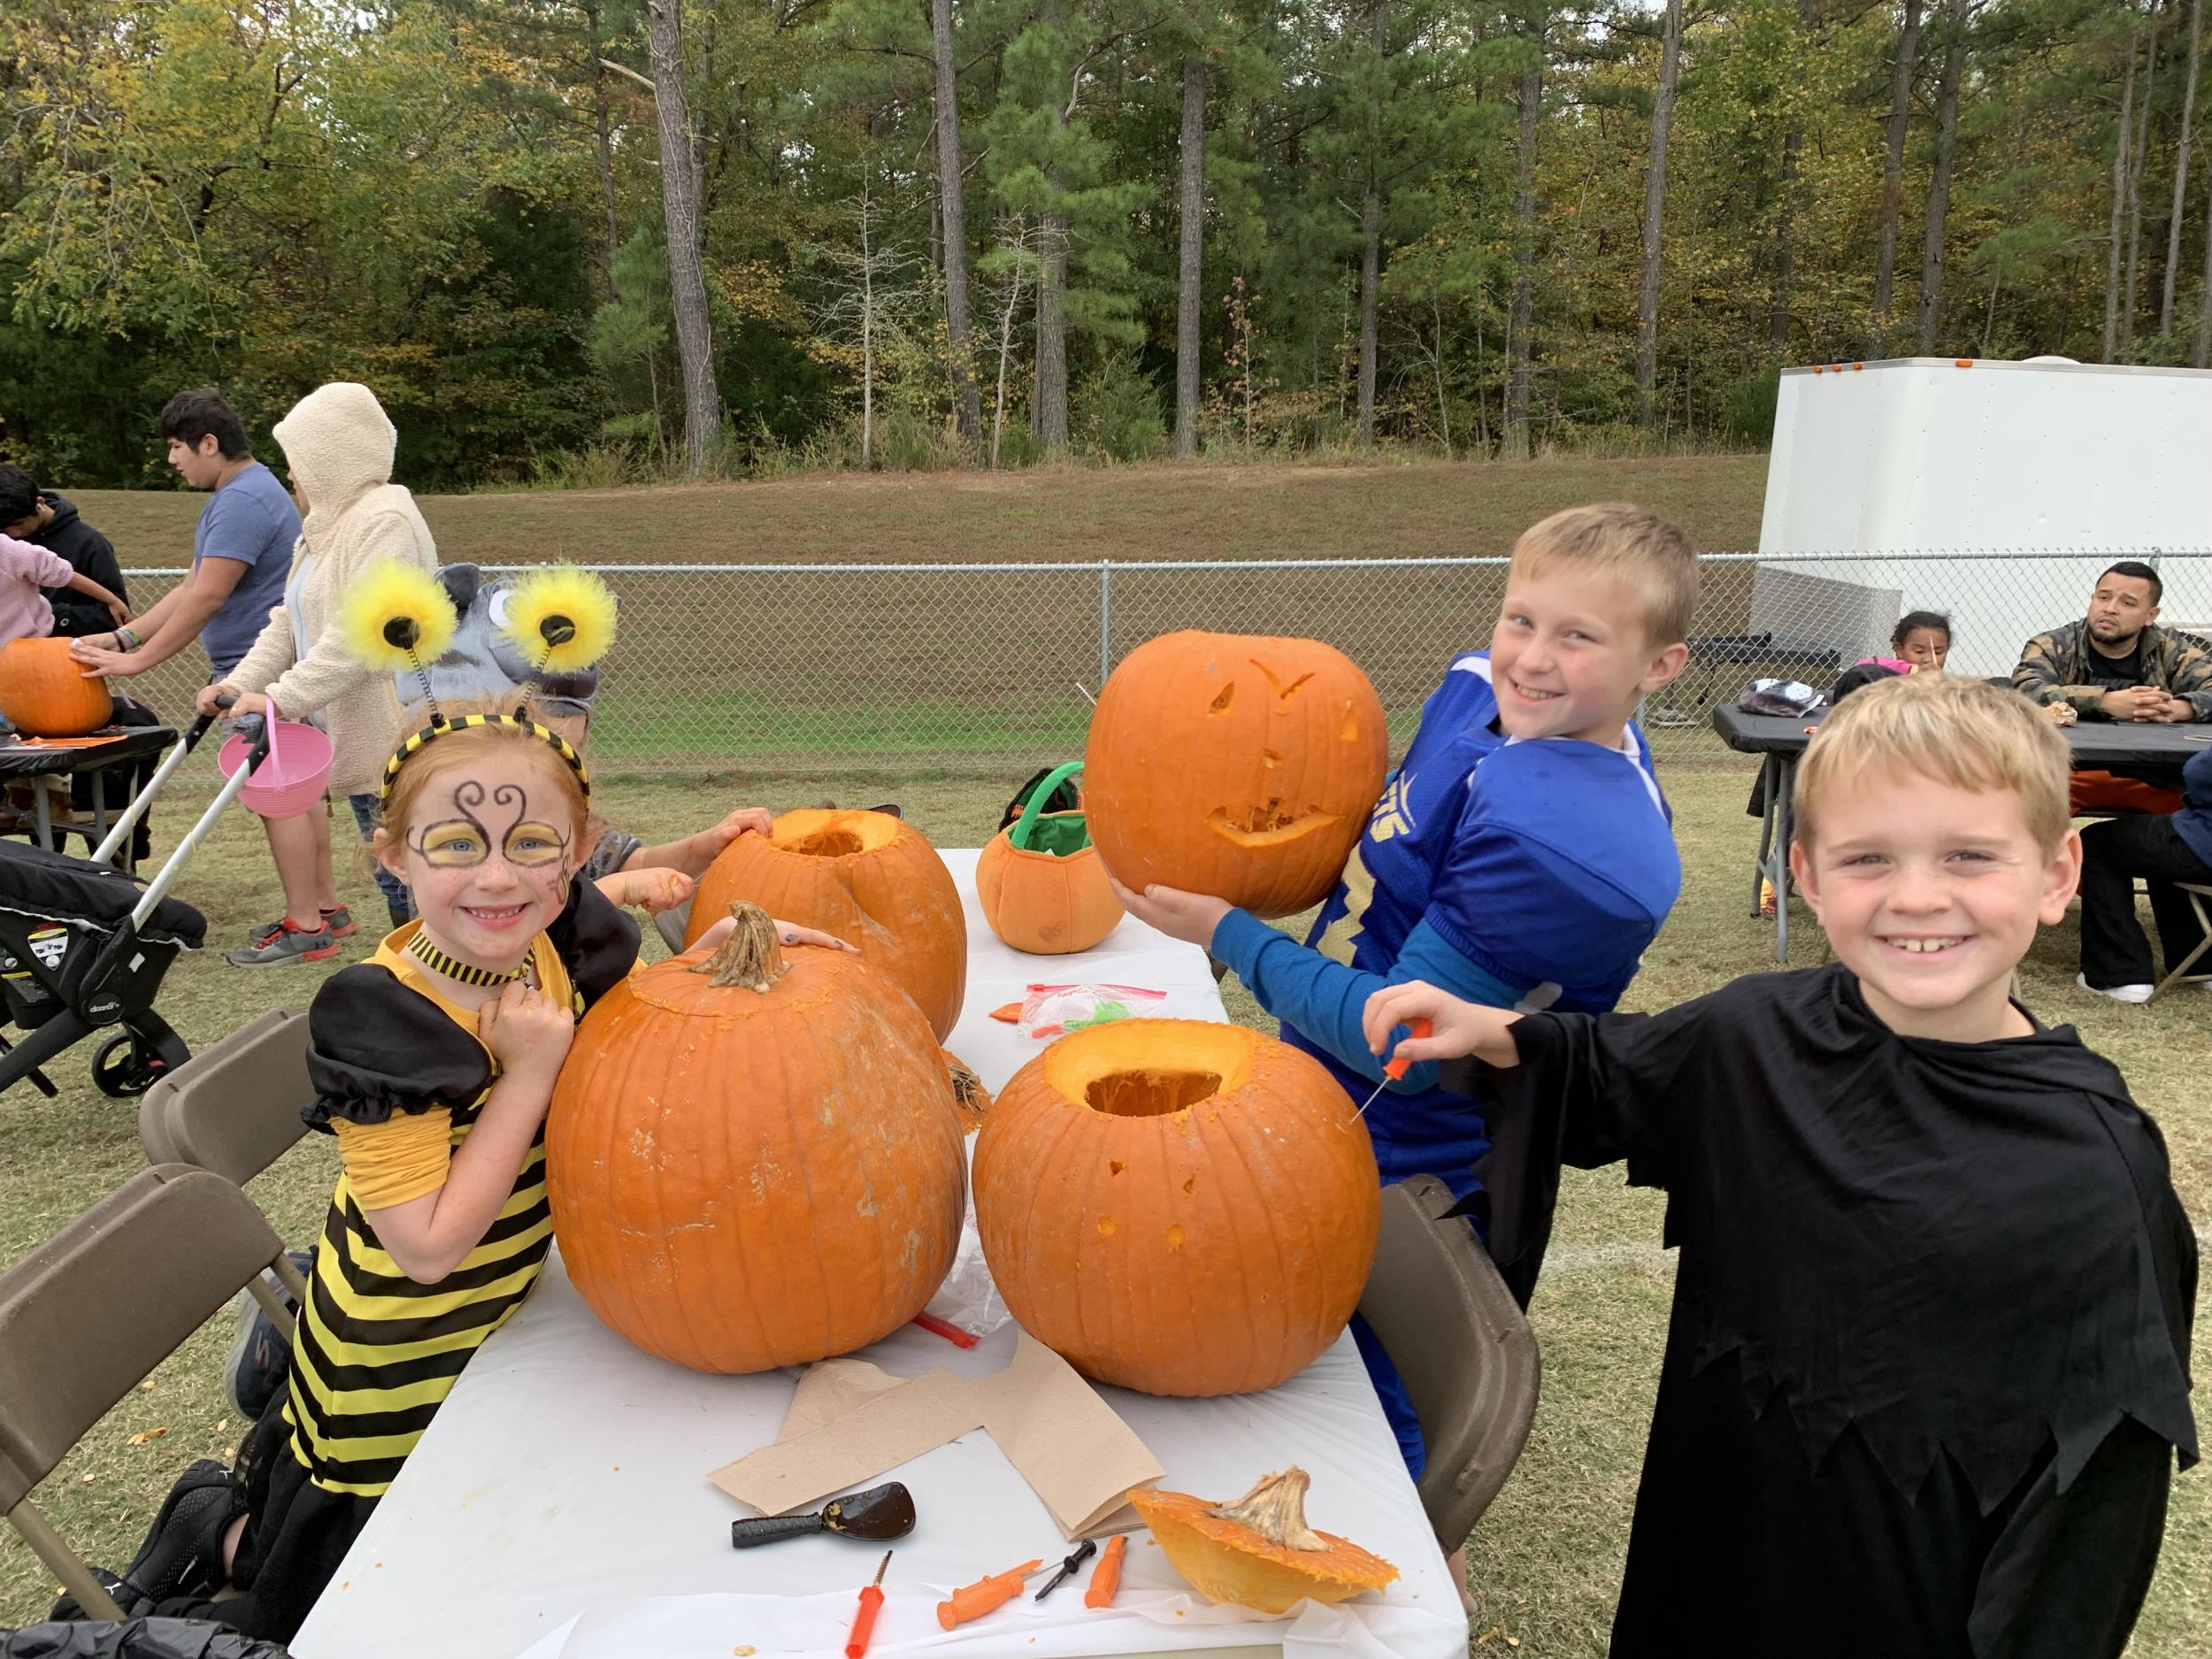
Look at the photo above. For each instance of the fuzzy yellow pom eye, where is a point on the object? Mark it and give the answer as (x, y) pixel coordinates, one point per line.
(397, 615)
(561, 619)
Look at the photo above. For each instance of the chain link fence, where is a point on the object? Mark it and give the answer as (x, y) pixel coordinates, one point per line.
(987, 669)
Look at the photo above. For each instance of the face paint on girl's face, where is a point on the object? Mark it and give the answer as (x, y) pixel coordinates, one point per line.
(488, 859)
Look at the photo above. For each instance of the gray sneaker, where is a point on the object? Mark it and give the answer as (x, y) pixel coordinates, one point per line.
(340, 922)
(287, 943)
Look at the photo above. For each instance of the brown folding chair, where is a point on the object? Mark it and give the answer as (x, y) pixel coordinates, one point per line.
(89, 1312)
(235, 1107)
(2187, 971)
(1461, 1347)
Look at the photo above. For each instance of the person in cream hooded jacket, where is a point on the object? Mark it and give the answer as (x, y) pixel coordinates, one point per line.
(338, 444)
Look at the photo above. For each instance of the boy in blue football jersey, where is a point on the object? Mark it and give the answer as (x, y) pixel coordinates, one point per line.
(1522, 856)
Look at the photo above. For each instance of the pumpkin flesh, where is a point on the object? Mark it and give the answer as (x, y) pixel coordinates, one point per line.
(872, 880)
(1235, 764)
(748, 1178)
(1178, 1207)
(1258, 1552)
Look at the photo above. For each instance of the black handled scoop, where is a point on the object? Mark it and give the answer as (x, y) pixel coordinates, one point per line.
(877, 1515)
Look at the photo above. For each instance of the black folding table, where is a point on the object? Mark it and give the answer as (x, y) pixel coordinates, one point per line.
(2146, 750)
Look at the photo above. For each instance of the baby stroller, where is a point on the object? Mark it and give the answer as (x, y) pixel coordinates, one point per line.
(83, 947)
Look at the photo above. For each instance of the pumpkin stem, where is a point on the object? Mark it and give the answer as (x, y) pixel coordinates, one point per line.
(749, 957)
(1276, 1509)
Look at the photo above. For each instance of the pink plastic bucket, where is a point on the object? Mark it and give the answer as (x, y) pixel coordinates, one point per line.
(293, 776)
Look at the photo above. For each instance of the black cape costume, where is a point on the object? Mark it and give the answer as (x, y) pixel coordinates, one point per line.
(1927, 1366)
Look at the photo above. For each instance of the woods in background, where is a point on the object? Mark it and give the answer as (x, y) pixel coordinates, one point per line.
(588, 241)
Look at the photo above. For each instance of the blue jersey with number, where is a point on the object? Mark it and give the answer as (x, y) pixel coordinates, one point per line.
(1548, 865)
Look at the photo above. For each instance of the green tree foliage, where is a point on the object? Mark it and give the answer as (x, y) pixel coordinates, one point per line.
(457, 201)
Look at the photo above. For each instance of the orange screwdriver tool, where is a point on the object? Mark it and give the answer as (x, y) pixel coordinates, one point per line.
(975, 1600)
(1395, 1068)
(1106, 1577)
(865, 1619)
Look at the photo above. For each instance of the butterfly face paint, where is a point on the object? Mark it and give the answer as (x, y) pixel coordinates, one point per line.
(488, 858)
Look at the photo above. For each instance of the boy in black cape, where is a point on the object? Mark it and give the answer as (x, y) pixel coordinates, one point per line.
(1927, 1369)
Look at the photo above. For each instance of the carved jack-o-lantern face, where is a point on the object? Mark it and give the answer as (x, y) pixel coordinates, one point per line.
(1235, 764)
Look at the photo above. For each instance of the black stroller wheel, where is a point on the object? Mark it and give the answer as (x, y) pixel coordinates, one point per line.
(123, 1067)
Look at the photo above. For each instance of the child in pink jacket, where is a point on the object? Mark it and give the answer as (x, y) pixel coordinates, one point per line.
(25, 568)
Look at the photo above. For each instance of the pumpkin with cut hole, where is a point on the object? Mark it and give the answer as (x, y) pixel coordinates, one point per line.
(1176, 1206)
(1258, 1552)
(755, 1162)
(43, 691)
(1235, 764)
(872, 880)
(1039, 883)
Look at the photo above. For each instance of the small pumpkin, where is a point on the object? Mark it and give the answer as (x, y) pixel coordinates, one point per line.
(1258, 1552)
(873, 880)
(755, 1161)
(1233, 764)
(1176, 1206)
(969, 1098)
(43, 691)
(1040, 882)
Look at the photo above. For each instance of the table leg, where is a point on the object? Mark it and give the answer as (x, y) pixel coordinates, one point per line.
(1781, 802)
(41, 818)
(1768, 766)
(100, 812)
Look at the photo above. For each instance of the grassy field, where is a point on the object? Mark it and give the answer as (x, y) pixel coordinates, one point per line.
(1546, 1560)
(834, 675)
(1420, 509)
(767, 657)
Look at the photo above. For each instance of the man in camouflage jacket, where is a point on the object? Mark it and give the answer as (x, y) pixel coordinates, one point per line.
(2117, 663)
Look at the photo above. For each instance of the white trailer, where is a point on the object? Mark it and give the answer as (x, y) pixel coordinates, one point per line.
(2076, 465)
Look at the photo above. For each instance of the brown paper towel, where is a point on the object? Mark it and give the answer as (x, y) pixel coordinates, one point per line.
(850, 1422)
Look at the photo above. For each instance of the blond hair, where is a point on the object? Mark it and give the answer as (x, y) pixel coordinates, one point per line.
(1630, 543)
(1963, 732)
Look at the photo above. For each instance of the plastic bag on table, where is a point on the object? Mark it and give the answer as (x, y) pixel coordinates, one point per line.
(969, 1297)
(1050, 1010)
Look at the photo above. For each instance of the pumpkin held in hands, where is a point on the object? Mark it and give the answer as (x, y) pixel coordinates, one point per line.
(1040, 882)
(755, 1161)
(1176, 1206)
(1234, 764)
(43, 691)
(872, 880)
(1258, 1552)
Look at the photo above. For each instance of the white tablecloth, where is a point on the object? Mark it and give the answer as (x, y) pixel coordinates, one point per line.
(559, 1503)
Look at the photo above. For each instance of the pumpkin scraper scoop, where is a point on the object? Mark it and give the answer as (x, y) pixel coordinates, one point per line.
(879, 1515)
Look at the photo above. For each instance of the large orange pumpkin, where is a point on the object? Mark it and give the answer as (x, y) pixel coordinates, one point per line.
(873, 880)
(44, 693)
(1235, 765)
(1176, 1206)
(1040, 882)
(755, 1166)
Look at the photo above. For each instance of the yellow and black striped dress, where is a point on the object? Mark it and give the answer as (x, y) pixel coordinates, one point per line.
(375, 1354)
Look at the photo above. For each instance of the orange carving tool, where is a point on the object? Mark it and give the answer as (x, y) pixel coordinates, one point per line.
(865, 1619)
(1106, 1577)
(1395, 1068)
(975, 1600)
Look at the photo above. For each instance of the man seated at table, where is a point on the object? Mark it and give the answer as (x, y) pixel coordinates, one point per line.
(2117, 663)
